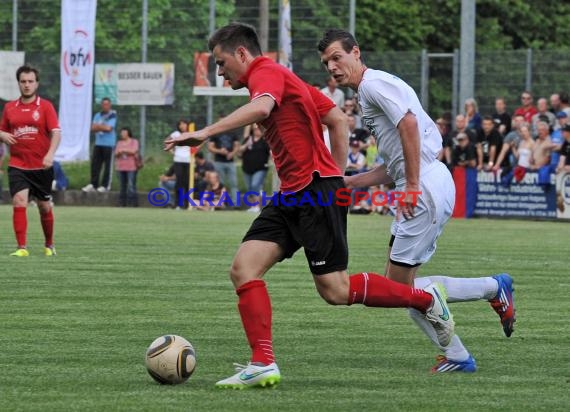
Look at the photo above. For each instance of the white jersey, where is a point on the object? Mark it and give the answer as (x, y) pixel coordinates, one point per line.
(384, 100)
(181, 153)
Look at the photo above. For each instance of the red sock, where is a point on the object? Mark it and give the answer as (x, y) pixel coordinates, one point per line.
(47, 226)
(255, 311)
(372, 289)
(20, 222)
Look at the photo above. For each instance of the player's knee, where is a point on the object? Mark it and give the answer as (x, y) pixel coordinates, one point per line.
(334, 296)
(239, 274)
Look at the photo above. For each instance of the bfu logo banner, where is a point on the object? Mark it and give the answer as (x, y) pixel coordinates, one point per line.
(78, 59)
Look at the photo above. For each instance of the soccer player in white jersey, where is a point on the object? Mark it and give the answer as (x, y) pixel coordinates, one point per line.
(409, 141)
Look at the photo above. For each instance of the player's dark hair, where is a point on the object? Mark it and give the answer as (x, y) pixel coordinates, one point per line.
(234, 35)
(199, 155)
(27, 69)
(179, 122)
(488, 117)
(105, 99)
(346, 39)
(128, 129)
(564, 98)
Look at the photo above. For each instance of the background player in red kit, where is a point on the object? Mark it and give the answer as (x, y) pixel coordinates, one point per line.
(291, 112)
(30, 127)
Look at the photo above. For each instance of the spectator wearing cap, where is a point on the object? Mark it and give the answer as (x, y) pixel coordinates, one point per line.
(464, 153)
(356, 161)
(564, 152)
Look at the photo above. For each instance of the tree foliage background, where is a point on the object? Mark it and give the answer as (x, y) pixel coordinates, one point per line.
(178, 28)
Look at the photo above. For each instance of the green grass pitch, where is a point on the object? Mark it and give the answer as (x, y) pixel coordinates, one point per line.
(74, 328)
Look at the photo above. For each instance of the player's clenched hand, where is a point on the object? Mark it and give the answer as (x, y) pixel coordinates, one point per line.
(7, 138)
(48, 161)
(185, 139)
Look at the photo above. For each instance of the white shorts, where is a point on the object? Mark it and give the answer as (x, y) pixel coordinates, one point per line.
(415, 238)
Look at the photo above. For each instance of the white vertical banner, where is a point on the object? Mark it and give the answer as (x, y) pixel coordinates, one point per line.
(285, 48)
(9, 63)
(77, 64)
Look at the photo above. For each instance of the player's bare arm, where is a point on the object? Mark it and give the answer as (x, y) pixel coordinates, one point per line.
(7, 138)
(409, 136)
(501, 156)
(255, 111)
(337, 123)
(373, 177)
(55, 139)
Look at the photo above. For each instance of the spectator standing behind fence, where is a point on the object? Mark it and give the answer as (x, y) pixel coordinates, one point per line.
(557, 137)
(527, 109)
(472, 115)
(126, 153)
(501, 117)
(564, 162)
(464, 153)
(522, 152)
(359, 135)
(445, 155)
(104, 126)
(225, 147)
(488, 144)
(350, 109)
(181, 166)
(565, 102)
(543, 114)
(541, 155)
(554, 103)
(334, 93)
(512, 139)
(461, 126)
(255, 155)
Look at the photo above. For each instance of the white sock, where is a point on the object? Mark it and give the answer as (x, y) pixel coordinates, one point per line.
(462, 289)
(454, 351)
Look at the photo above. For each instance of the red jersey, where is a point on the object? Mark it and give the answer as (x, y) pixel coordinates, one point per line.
(527, 113)
(31, 125)
(293, 129)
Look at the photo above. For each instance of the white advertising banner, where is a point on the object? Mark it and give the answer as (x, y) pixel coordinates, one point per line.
(135, 84)
(77, 63)
(9, 63)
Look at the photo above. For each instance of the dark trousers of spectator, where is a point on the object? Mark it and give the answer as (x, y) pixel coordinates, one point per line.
(102, 159)
(128, 185)
(182, 173)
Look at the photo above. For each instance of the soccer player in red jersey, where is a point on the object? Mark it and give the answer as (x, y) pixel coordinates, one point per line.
(30, 127)
(291, 112)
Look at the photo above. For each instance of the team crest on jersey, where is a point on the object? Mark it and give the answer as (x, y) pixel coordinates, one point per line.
(36, 115)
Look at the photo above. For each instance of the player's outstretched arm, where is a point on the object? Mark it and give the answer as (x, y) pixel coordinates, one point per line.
(373, 177)
(255, 111)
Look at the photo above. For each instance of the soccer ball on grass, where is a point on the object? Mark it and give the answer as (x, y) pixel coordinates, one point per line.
(170, 359)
